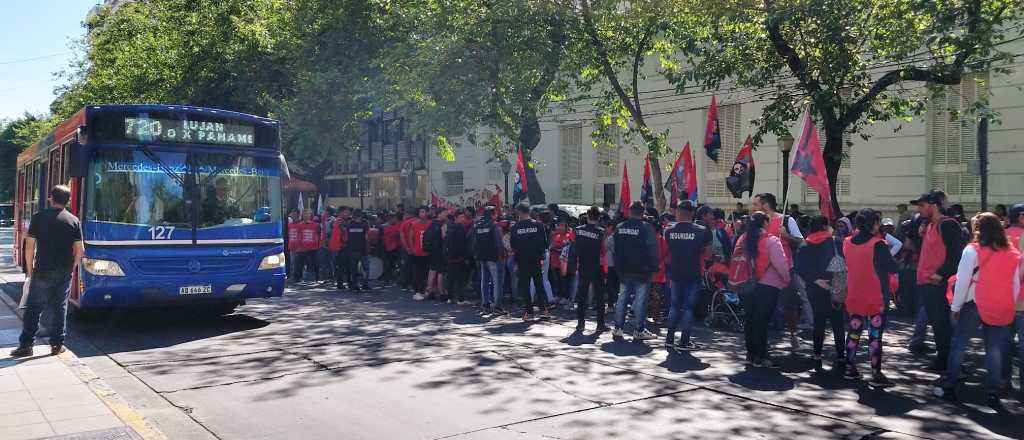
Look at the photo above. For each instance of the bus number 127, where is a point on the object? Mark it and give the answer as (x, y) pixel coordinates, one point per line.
(161, 232)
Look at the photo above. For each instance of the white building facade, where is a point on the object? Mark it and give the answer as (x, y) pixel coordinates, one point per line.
(898, 162)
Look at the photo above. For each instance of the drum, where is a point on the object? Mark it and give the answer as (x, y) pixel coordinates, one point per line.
(376, 268)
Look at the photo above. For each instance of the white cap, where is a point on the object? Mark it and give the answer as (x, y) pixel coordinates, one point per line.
(888, 222)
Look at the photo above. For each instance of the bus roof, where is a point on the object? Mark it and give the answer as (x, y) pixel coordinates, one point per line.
(67, 128)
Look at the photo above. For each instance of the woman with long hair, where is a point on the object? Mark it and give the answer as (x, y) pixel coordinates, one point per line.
(869, 264)
(772, 269)
(812, 261)
(986, 290)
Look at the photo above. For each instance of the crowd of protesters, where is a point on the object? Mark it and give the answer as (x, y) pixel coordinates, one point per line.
(791, 270)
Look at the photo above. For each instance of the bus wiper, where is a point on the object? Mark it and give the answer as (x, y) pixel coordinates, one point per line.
(163, 166)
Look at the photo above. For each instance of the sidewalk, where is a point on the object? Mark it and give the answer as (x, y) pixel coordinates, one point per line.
(47, 396)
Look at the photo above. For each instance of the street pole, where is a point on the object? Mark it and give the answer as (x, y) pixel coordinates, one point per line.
(983, 160)
(785, 146)
(506, 189)
(506, 167)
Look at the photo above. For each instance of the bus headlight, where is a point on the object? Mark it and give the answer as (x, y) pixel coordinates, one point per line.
(104, 268)
(275, 261)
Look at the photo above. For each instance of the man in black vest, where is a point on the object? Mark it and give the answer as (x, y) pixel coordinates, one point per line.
(356, 246)
(529, 240)
(636, 260)
(688, 244)
(586, 252)
(488, 251)
(53, 249)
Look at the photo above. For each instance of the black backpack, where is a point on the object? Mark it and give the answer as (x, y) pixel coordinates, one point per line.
(432, 242)
(456, 243)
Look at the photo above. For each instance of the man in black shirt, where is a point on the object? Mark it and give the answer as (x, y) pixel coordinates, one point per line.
(688, 244)
(53, 249)
(586, 253)
(357, 250)
(529, 240)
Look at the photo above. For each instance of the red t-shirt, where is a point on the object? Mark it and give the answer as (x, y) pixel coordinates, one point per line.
(416, 231)
(392, 237)
(405, 228)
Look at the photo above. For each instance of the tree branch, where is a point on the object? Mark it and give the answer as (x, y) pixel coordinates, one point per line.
(605, 61)
(796, 64)
(637, 58)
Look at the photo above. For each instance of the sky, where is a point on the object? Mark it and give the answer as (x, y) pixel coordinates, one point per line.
(35, 42)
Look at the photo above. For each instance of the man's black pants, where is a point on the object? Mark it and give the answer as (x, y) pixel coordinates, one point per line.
(530, 269)
(600, 305)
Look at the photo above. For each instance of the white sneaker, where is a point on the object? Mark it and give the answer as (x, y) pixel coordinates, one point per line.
(419, 297)
(646, 336)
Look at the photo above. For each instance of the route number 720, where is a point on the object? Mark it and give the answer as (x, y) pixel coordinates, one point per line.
(161, 232)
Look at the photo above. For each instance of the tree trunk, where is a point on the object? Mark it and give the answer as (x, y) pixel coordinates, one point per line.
(833, 155)
(659, 189)
(529, 138)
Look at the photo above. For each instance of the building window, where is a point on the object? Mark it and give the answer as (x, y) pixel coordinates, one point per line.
(571, 152)
(730, 125)
(337, 187)
(452, 183)
(952, 143)
(494, 173)
(572, 193)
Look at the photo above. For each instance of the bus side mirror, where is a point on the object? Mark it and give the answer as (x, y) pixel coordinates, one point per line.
(77, 160)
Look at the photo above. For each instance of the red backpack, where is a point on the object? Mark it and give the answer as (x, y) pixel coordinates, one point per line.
(742, 271)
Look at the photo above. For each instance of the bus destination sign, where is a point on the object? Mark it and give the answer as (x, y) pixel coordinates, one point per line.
(188, 132)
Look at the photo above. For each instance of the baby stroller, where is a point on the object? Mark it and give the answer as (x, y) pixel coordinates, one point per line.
(725, 309)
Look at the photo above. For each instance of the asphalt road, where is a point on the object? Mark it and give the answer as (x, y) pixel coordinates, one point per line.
(322, 364)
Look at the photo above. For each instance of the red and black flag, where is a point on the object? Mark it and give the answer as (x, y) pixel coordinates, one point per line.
(809, 165)
(741, 177)
(712, 133)
(646, 190)
(683, 177)
(520, 189)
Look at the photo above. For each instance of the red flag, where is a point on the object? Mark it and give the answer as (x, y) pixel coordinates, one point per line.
(434, 199)
(675, 178)
(646, 190)
(520, 185)
(809, 165)
(712, 133)
(690, 173)
(741, 177)
(624, 199)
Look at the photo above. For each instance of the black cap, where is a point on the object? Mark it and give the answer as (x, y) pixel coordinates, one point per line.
(929, 197)
(1015, 212)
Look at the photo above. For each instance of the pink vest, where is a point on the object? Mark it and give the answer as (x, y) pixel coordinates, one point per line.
(864, 289)
(993, 293)
(933, 253)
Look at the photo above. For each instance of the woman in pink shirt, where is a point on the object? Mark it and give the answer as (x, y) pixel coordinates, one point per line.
(772, 269)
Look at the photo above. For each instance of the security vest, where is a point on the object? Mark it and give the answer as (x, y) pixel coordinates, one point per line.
(993, 293)
(631, 253)
(357, 230)
(863, 287)
(484, 246)
(588, 245)
(529, 240)
(686, 241)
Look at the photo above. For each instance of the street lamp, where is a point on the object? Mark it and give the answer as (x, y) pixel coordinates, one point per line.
(506, 167)
(785, 146)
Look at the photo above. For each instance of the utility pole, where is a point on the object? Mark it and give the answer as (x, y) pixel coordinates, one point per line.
(983, 160)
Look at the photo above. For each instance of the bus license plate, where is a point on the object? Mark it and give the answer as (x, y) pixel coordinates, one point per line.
(195, 290)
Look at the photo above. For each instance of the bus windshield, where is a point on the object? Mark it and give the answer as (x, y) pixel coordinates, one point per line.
(129, 187)
(147, 189)
(237, 190)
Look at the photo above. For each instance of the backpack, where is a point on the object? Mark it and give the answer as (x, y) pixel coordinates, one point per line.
(742, 272)
(432, 242)
(837, 267)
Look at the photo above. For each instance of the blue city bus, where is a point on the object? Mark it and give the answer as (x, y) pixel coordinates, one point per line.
(179, 205)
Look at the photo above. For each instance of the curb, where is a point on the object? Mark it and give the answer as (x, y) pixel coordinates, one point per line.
(117, 404)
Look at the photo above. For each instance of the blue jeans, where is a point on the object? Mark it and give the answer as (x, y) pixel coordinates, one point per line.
(684, 297)
(490, 284)
(47, 290)
(636, 286)
(996, 342)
